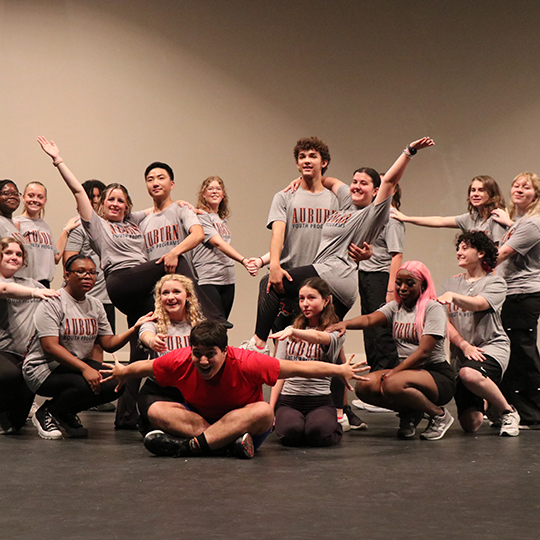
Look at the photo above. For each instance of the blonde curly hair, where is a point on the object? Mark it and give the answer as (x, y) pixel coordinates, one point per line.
(193, 310)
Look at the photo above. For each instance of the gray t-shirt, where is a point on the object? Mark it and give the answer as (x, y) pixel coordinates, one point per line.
(522, 270)
(177, 336)
(17, 318)
(77, 326)
(40, 243)
(213, 267)
(304, 214)
(480, 328)
(390, 241)
(404, 329)
(8, 228)
(357, 225)
(78, 241)
(167, 229)
(120, 245)
(303, 351)
(494, 230)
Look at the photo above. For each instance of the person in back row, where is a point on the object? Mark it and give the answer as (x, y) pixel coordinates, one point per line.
(222, 387)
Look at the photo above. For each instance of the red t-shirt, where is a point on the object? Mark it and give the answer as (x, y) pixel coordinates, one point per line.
(238, 383)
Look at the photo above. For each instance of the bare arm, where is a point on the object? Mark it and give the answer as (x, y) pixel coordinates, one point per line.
(468, 303)
(275, 393)
(333, 184)
(137, 370)
(15, 290)
(113, 343)
(227, 249)
(297, 334)
(394, 174)
(84, 206)
(505, 252)
(426, 221)
(397, 260)
(423, 352)
(470, 351)
(277, 273)
(62, 241)
(153, 341)
(359, 323)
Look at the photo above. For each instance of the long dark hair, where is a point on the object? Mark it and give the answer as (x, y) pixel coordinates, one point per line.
(328, 314)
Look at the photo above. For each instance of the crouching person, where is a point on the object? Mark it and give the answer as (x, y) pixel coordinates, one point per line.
(223, 411)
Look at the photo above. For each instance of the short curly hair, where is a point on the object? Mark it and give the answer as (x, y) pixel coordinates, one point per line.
(480, 241)
(312, 143)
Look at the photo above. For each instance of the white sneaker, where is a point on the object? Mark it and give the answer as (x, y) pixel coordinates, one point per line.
(438, 426)
(510, 424)
(344, 421)
(359, 404)
(249, 345)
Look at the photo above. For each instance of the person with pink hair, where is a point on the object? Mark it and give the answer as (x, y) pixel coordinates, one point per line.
(423, 381)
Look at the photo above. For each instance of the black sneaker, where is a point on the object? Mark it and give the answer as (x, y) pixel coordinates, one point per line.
(408, 423)
(72, 425)
(243, 447)
(160, 443)
(354, 421)
(46, 424)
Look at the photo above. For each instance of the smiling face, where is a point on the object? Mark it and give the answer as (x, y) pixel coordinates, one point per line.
(208, 361)
(173, 300)
(9, 199)
(115, 205)
(310, 164)
(34, 199)
(159, 183)
(478, 195)
(312, 304)
(80, 278)
(408, 287)
(12, 260)
(522, 194)
(362, 189)
(213, 195)
(469, 257)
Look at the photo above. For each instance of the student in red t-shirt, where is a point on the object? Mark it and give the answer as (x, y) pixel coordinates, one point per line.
(222, 387)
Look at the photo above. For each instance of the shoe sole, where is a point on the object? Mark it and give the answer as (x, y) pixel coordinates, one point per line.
(441, 435)
(362, 426)
(245, 449)
(406, 435)
(44, 434)
(159, 446)
(72, 433)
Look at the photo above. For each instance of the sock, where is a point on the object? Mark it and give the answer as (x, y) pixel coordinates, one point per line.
(197, 446)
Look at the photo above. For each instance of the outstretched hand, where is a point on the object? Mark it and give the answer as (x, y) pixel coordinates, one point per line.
(424, 142)
(352, 371)
(49, 147)
(114, 371)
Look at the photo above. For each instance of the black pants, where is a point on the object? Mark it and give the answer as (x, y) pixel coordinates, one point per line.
(380, 347)
(71, 393)
(15, 396)
(222, 296)
(521, 381)
(269, 303)
(131, 291)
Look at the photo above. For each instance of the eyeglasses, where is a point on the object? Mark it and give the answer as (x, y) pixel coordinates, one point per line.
(82, 273)
(9, 193)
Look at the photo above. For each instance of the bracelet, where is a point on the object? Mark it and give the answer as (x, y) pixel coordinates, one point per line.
(407, 155)
(57, 162)
(389, 290)
(411, 150)
(34, 292)
(262, 262)
(242, 261)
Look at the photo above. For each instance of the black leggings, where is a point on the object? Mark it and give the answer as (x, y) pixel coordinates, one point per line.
(71, 393)
(222, 296)
(269, 303)
(15, 397)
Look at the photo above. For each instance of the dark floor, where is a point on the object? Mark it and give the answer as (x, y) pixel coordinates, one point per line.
(372, 486)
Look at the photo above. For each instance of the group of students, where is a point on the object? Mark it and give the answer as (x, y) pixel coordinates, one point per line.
(170, 267)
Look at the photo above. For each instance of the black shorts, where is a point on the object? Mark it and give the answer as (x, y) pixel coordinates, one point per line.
(444, 376)
(150, 393)
(465, 399)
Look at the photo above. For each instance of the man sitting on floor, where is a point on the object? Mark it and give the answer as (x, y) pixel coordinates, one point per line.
(223, 409)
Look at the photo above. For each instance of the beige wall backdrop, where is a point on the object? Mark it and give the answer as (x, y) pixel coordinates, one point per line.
(227, 87)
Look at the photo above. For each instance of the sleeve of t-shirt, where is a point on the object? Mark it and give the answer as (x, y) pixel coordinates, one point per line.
(378, 217)
(388, 310)
(75, 239)
(170, 368)
(148, 327)
(526, 236)
(332, 349)
(395, 236)
(495, 292)
(435, 320)
(188, 218)
(137, 217)
(48, 318)
(498, 232)
(94, 230)
(258, 368)
(281, 349)
(343, 196)
(208, 226)
(463, 221)
(278, 209)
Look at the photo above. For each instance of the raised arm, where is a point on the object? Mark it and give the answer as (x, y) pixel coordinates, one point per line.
(394, 174)
(448, 222)
(84, 206)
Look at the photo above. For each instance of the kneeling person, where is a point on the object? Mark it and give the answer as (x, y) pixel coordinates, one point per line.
(222, 388)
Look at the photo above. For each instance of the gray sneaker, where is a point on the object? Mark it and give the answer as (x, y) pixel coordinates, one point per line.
(249, 345)
(408, 423)
(510, 424)
(438, 426)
